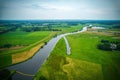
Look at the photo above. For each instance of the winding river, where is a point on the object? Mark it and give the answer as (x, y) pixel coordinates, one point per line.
(30, 67)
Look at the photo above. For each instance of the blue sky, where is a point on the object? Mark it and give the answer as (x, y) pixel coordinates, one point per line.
(59, 9)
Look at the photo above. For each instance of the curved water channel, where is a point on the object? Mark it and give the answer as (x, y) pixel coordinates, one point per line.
(31, 66)
(67, 46)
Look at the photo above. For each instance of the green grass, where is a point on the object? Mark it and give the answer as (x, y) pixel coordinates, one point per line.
(86, 62)
(84, 46)
(22, 38)
(89, 52)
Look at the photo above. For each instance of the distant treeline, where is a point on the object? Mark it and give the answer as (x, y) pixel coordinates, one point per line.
(51, 25)
(8, 27)
(116, 26)
(31, 29)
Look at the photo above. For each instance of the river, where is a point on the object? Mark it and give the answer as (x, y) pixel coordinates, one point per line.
(32, 65)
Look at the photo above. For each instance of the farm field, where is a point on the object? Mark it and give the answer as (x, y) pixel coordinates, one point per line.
(86, 62)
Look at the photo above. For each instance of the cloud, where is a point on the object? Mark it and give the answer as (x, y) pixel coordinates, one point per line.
(63, 9)
(42, 7)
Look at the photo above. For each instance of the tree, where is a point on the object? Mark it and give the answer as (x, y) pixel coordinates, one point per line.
(104, 46)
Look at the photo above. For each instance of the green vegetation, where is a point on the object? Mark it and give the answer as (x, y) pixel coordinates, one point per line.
(86, 61)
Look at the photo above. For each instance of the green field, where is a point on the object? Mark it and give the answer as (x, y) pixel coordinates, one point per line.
(86, 61)
(19, 38)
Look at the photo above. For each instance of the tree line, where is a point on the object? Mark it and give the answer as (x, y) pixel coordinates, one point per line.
(32, 29)
(109, 45)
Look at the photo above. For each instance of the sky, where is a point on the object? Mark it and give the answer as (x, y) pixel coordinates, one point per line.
(59, 9)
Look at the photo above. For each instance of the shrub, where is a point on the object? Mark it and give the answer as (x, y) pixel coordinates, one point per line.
(4, 73)
(7, 45)
(42, 78)
(45, 43)
(118, 46)
(104, 46)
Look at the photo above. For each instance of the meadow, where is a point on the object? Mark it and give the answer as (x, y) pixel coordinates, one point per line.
(20, 38)
(86, 61)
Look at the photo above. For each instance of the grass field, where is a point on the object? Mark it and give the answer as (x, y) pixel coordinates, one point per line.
(86, 62)
(19, 38)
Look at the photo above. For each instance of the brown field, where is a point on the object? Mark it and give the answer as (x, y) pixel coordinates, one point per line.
(19, 57)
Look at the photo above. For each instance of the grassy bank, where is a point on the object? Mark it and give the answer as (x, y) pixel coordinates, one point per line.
(22, 56)
(86, 61)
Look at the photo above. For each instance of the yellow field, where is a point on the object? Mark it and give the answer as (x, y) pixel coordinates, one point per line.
(19, 57)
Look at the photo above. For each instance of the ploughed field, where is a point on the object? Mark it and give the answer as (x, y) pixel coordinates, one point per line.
(86, 61)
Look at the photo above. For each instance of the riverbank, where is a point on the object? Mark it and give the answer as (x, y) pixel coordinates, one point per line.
(23, 56)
